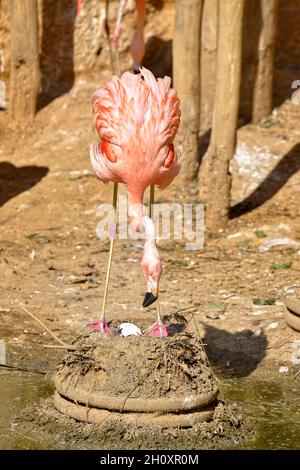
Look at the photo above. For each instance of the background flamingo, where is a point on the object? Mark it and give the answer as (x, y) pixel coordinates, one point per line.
(137, 118)
(137, 47)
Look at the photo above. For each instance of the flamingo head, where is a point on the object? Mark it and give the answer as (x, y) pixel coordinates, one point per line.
(152, 269)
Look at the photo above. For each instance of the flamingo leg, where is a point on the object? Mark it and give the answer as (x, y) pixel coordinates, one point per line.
(137, 47)
(115, 62)
(160, 330)
(101, 324)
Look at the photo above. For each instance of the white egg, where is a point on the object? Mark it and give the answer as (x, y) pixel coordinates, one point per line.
(128, 329)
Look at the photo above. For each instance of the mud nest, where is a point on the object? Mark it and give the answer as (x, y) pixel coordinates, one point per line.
(135, 393)
(292, 313)
(136, 380)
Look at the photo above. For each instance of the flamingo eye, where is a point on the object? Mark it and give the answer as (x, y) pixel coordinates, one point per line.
(170, 156)
(107, 150)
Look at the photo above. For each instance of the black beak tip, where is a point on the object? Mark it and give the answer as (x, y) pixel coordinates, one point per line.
(149, 299)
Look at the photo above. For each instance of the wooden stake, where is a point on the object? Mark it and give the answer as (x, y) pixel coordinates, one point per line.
(263, 88)
(25, 72)
(208, 65)
(225, 115)
(186, 73)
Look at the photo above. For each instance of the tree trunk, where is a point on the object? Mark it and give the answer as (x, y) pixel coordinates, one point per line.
(25, 73)
(251, 30)
(263, 88)
(209, 39)
(186, 73)
(225, 114)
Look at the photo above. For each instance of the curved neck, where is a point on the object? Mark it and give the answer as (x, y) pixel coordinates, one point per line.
(149, 228)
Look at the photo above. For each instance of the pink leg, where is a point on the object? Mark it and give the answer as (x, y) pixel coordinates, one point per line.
(101, 326)
(160, 330)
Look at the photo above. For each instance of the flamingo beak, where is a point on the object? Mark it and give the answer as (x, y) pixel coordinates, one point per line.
(151, 294)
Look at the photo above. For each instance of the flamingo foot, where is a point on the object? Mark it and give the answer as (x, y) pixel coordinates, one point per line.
(101, 326)
(160, 330)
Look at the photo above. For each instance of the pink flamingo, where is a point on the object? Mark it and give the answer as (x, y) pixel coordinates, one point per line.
(79, 6)
(137, 47)
(136, 118)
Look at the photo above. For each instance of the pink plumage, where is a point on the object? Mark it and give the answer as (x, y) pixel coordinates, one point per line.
(136, 121)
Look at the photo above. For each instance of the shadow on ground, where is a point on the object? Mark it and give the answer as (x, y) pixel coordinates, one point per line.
(234, 354)
(275, 180)
(158, 56)
(57, 49)
(15, 180)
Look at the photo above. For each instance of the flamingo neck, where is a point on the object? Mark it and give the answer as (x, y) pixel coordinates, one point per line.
(149, 228)
(135, 208)
(140, 222)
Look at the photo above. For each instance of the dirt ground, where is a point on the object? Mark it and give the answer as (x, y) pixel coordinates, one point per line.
(53, 263)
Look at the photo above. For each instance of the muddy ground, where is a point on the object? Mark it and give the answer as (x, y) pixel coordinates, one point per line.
(226, 430)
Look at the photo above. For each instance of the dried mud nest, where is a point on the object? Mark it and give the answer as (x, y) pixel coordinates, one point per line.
(138, 380)
(292, 313)
(135, 393)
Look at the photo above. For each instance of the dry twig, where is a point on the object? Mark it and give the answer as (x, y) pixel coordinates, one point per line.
(62, 343)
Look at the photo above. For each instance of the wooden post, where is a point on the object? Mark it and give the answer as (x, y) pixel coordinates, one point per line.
(186, 73)
(208, 69)
(225, 114)
(263, 88)
(25, 73)
(251, 29)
